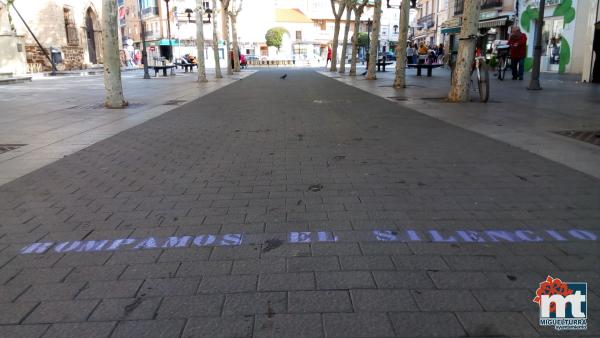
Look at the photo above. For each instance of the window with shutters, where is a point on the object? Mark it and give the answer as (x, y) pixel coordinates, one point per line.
(298, 35)
(70, 28)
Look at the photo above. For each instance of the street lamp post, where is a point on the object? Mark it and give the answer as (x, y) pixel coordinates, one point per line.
(169, 36)
(143, 32)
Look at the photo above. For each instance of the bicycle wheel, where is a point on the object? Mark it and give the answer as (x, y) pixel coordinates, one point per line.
(483, 83)
(501, 69)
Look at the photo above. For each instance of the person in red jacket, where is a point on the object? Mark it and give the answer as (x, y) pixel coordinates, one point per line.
(518, 51)
(328, 55)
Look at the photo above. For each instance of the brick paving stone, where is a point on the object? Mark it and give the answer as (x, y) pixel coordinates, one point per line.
(168, 287)
(418, 262)
(286, 281)
(62, 311)
(190, 306)
(11, 292)
(288, 325)
(43, 275)
(13, 313)
(224, 284)
(511, 324)
(344, 280)
(201, 268)
(321, 263)
(75, 330)
(445, 300)
(255, 303)
(402, 279)
(257, 266)
(505, 300)
(357, 325)
(51, 291)
(224, 327)
(335, 249)
(155, 270)
(125, 309)
(23, 331)
(185, 254)
(95, 273)
(459, 279)
(319, 301)
(109, 289)
(149, 328)
(426, 324)
(367, 263)
(367, 300)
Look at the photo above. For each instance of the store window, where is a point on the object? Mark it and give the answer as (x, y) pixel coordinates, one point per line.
(551, 39)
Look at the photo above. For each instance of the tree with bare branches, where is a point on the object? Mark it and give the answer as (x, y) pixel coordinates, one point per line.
(200, 10)
(233, 13)
(358, 8)
(374, 41)
(349, 5)
(400, 78)
(113, 86)
(461, 74)
(337, 13)
(215, 42)
(225, 32)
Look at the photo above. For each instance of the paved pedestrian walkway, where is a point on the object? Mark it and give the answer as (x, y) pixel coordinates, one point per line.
(53, 117)
(526, 119)
(294, 208)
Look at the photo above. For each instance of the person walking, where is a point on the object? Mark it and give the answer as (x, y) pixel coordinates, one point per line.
(328, 56)
(410, 53)
(517, 43)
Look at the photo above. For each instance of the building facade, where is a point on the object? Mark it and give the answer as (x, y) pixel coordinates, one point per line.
(69, 28)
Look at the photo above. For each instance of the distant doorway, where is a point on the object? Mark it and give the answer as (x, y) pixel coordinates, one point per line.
(90, 18)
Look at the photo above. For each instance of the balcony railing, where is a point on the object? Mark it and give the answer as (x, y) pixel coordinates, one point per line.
(149, 11)
(459, 5)
(426, 21)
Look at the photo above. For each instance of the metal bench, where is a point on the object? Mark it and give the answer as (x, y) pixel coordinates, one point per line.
(420, 66)
(381, 64)
(164, 69)
(186, 66)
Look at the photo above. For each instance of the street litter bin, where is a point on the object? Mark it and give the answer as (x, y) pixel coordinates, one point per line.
(56, 55)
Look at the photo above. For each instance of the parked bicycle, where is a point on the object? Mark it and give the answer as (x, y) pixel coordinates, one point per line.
(503, 58)
(480, 69)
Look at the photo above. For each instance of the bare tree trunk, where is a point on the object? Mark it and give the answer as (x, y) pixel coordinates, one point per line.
(357, 14)
(225, 32)
(336, 32)
(215, 42)
(113, 87)
(374, 41)
(461, 75)
(200, 40)
(345, 43)
(400, 79)
(236, 50)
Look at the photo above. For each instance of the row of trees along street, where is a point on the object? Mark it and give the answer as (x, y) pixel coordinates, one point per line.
(113, 85)
(230, 9)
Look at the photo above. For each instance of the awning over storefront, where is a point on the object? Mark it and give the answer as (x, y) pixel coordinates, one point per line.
(165, 42)
(496, 22)
(451, 30)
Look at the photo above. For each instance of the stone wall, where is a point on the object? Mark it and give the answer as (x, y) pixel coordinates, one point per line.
(37, 61)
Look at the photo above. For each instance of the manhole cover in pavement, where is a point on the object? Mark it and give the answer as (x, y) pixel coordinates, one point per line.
(589, 136)
(398, 98)
(8, 147)
(173, 102)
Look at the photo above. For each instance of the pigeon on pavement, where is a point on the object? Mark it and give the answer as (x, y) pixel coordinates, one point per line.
(283, 76)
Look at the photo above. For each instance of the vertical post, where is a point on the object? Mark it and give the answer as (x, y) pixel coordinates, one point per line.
(400, 79)
(200, 40)
(534, 83)
(112, 62)
(461, 74)
(374, 45)
(169, 37)
(143, 32)
(218, 74)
